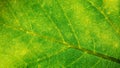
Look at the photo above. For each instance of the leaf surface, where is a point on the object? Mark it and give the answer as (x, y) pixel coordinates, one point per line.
(59, 34)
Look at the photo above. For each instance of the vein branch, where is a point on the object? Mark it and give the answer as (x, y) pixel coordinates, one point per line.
(48, 16)
(106, 18)
(69, 22)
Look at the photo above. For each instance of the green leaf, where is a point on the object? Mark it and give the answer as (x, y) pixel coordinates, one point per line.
(59, 33)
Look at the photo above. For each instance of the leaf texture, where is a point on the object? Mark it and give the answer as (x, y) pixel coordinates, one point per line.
(59, 33)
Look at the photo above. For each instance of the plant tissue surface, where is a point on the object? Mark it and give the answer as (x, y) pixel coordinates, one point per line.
(59, 33)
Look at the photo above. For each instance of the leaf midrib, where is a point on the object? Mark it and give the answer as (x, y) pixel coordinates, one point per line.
(113, 59)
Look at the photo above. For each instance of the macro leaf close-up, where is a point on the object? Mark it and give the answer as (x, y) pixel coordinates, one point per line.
(59, 33)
